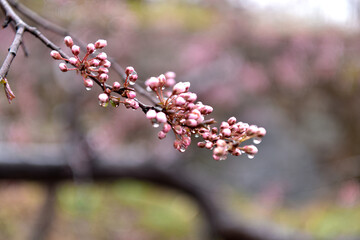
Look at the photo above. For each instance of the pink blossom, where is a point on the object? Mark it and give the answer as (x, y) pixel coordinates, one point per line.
(151, 114)
(75, 50)
(55, 55)
(68, 41)
(161, 117)
(101, 43)
(90, 48)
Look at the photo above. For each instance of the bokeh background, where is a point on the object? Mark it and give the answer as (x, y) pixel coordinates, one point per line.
(296, 75)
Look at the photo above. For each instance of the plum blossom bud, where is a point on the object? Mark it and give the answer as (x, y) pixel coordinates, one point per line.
(129, 70)
(116, 86)
(231, 121)
(151, 114)
(131, 94)
(181, 87)
(166, 128)
(88, 83)
(219, 151)
(95, 62)
(250, 149)
(224, 125)
(90, 48)
(170, 82)
(107, 63)
(221, 143)
(201, 144)
(161, 117)
(55, 55)
(152, 83)
(103, 70)
(161, 135)
(226, 132)
(63, 67)
(162, 80)
(73, 61)
(103, 77)
(103, 99)
(101, 43)
(133, 78)
(191, 123)
(68, 41)
(261, 132)
(169, 75)
(208, 145)
(102, 56)
(75, 50)
(251, 130)
(180, 101)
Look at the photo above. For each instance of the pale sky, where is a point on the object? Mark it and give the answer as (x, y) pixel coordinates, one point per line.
(332, 11)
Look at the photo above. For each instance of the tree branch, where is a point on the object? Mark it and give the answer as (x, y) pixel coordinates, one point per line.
(56, 169)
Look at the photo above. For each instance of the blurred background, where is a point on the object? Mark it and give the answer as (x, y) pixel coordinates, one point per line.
(292, 67)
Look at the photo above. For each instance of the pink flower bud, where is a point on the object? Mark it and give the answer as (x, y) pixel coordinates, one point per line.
(191, 123)
(133, 78)
(131, 94)
(68, 41)
(236, 152)
(161, 135)
(102, 56)
(63, 67)
(162, 80)
(152, 83)
(116, 86)
(170, 82)
(103, 70)
(250, 149)
(161, 117)
(226, 132)
(186, 141)
(95, 62)
(219, 151)
(231, 121)
(103, 98)
(208, 145)
(261, 132)
(221, 143)
(178, 129)
(88, 83)
(224, 125)
(90, 48)
(169, 75)
(180, 101)
(73, 61)
(55, 55)
(201, 144)
(166, 128)
(181, 87)
(151, 114)
(206, 109)
(101, 43)
(129, 70)
(106, 63)
(251, 130)
(75, 50)
(103, 77)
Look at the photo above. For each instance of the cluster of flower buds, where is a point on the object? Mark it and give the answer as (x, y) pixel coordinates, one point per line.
(228, 139)
(96, 68)
(90, 68)
(177, 110)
